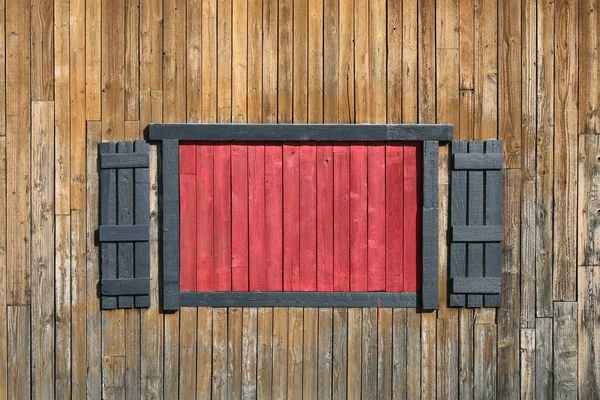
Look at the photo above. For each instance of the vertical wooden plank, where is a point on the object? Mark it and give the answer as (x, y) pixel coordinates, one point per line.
(475, 199)
(295, 358)
(257, 212)
(394, 221)
(544, 158)
(265, 354)
(78, 309)
(458, 216)
(493, 216)
(384, 353)
(588, 371)
(18, 153)
(234, 353)
(18, 364)
(310, 367)
(93, 313)
(358, 217)
(447, 358)
(589, 65)
(315, 61)
(354, 351)
(239, 214)
(484, 355)
(3, 309)
(428, 356)
(93, 57)
(325, 354)
(285, 64)
(414, 356)
(508, 315)
(270, 60)
(426, 61)
(209, 60)
(291, 218)
(62, 340)
(219, 354)
(3, 70)
(400, 382)
(331, 69)
(565, 349)
(62, 108)
(222, 218)
(255, 61)
(486, 69)
(377, 65)
(528, 153)
(249, 352)
(224, 67)
(125, 217)
(308, 217)
(204, 353)
(152, 322)
(509, 76)
(340, 353)
(544, 368)
(132, 60)
(565, 153)
(174, 63)
(42, 249)
(369, 353)
(465, 357)
(325, 218)
(274, 216)
(194, 61)
(113, 79)
(395, 38)
(42, 51)
(299, 82)
(527, 368)
(346, 79)
(108, 216)
(409, 61)
(142, 217)
(376, 196)
(341, 218)
(77, 103)
(280, 352)
(188, 352)
(589, 201)
(410, 218)
(466, 44)
(205, 217)
(362, 75)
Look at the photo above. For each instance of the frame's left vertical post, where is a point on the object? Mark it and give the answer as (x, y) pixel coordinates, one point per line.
(170, 224)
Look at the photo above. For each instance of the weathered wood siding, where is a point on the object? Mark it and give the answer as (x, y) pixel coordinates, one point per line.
(74, 72)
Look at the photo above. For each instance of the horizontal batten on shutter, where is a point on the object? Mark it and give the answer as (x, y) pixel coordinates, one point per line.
(125, 286)
(121, 161)
(478, 233)
(124, 233)
(478, 285)
(477, 161)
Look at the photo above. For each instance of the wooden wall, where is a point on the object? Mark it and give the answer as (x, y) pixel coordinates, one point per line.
(73, 72)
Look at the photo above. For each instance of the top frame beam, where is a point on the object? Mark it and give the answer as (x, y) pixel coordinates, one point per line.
(297, 132)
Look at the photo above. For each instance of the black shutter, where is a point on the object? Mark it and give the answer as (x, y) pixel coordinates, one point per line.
(476, 224)
(124, 225)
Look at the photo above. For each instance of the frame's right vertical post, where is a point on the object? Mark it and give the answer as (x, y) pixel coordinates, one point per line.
(430, 229)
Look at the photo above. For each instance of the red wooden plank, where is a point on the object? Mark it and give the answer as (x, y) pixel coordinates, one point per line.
(376, 217)
(291, 218)
(394, 192)
(205, 205)
(239, 214)
(256, 217)
(222, 217)
(358, 217)
(341, 218)
(308, 217)
(411, 217)
(187, 158)
(187, 230)
(325, 211)
(274, 216)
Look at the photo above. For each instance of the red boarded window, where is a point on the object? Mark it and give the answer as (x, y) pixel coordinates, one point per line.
(300, 217)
